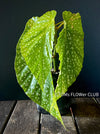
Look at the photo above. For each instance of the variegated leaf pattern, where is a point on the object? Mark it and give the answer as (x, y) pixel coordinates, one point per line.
(37, 45)
(46, 98)
(70, 47)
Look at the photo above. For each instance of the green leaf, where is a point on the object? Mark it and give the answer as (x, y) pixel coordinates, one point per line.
(70, 47)
(37, 44)
(28, 82)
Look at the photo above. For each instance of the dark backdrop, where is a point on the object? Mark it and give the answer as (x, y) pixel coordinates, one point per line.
(13, 16)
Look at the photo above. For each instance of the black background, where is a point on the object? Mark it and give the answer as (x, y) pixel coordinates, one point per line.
(13, 17)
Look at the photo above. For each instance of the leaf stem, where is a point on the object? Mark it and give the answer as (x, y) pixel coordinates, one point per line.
(60, 25)
(57, 26)
(54, 51)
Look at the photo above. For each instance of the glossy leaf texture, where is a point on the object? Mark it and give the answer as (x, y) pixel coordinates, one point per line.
(30, 85)
(70, 47)
(37, 45)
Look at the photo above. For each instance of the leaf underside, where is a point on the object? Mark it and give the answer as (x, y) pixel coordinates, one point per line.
(46, 97)
(70, 47)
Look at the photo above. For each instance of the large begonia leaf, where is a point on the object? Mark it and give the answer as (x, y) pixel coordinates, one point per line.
(37, 45)
(28, 82)
(70, 46)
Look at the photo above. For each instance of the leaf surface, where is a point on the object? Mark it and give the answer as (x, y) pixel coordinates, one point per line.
(37, 44)
(28, 82)
(70, 47)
